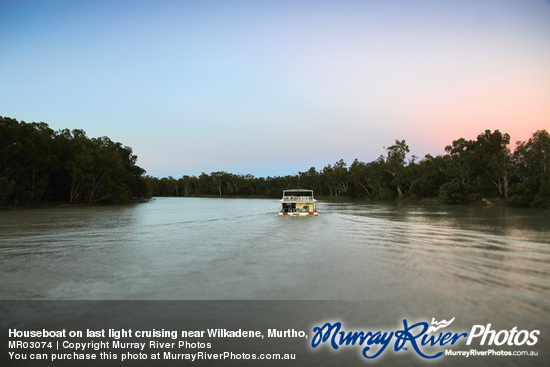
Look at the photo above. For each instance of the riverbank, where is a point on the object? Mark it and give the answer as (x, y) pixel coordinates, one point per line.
(328, 199)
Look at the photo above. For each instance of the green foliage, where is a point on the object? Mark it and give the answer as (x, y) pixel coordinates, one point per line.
(455, 192)
(532, 192)
(429, 175)
(395, 165)
(38, 164)
(542, 198)
(383, 194)
(531, 162)
(6, 190)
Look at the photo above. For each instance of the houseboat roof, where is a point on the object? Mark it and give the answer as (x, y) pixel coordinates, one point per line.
(297, 190)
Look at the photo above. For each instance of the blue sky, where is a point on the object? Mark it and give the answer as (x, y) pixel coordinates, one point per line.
(275, 87)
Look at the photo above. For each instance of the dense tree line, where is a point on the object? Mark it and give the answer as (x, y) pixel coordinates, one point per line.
(38, 165)
(470, 171)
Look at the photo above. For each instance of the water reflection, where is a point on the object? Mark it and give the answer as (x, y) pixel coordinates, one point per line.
(239, 249)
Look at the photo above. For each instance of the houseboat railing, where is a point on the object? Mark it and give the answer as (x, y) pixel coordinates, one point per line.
(297, 210)
(302, 198)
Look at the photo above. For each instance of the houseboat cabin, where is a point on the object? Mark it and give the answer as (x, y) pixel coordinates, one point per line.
(298, 202)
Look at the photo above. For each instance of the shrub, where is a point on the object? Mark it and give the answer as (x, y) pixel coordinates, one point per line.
(455, 192)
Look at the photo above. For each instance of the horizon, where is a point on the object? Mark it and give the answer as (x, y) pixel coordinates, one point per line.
(274, 88)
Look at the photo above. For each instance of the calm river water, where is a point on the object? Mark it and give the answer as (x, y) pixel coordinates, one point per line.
(481, 264)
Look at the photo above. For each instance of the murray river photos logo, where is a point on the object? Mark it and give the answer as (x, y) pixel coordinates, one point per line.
(429, 341)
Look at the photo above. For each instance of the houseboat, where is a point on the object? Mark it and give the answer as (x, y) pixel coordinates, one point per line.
(298, 202)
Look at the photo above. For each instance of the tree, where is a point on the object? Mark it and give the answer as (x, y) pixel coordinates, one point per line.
(429, 176)
(495, 160)
(38, 164)
(532, 158)
(26, 160)
(218, 178)
(532, 163)
(310, 180)
(462, 163)
(455, 191)
(359, 177)
(395, 164)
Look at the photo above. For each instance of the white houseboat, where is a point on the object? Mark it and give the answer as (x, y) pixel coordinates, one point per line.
(298, 202)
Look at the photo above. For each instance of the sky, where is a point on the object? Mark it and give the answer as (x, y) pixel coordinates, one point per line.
(272, 88)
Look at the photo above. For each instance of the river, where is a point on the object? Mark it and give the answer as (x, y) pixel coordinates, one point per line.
(479, 264)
